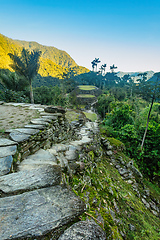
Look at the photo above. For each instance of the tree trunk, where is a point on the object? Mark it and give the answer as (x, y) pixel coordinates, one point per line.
(31, 94)
(147, 123)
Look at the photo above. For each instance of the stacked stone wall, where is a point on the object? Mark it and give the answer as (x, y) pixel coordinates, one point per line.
(52, 127)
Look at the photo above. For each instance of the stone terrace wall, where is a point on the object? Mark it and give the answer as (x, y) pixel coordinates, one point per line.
(52, 127)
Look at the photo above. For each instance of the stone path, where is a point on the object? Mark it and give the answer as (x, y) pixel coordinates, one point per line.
(33, 200)
(67, 154)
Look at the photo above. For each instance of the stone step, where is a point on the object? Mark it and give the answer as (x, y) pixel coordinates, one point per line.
(39, 122)
(8, 150)
(35, 213)
(41, 157)
(4, 142)
(28, 180)
(19, 137)
(58, 148)
(84, 230)
(34, 126)
(5, 165)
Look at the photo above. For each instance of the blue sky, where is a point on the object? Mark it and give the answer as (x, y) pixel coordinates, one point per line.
(126, 32)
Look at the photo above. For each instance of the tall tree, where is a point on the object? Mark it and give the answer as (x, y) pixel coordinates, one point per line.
(93, 65)
(104, 67)
(26, 65)
(96, 62)
(101, 69)
(112, 68)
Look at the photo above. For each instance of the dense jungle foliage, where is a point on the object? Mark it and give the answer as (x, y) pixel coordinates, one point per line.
(126, 110)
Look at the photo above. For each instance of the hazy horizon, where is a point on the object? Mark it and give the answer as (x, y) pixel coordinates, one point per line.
(124, 33)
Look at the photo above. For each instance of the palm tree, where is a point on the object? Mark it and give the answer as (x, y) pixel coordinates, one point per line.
(104, 67)
(112, 68)
(26, 65)
(93, 64)
(96, 62)
(101, 69)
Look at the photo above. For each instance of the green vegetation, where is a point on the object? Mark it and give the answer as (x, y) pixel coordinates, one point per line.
(86, 87)
(111, 201)
(50, 96)
(91, 116)
(27, 65)
(127, 121)
(85, 96)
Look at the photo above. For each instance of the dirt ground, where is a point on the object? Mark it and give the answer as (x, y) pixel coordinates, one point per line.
(15, 117)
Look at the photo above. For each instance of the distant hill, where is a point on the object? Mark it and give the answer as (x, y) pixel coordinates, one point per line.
(135, 74)
(53, 63)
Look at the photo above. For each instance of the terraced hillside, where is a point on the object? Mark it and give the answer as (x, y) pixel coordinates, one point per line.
(87, 95)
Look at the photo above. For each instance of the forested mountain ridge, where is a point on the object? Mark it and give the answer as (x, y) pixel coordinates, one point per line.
(53, 62)
(7, 46)
(59, 57)
(134, 75)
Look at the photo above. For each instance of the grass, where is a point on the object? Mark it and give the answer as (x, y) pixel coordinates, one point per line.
(72, 116)
(86, 96)
(86, 87)
(91, 116)
(2, 130)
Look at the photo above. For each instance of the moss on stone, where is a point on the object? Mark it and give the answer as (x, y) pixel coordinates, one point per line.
(111, 201)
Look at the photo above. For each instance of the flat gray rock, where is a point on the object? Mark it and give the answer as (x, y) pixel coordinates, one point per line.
(122, 171)
(28, 131)
(76, 143)
(71, 155)
(35, 213)
(49, 117)
(38, 159)
(51, 114)
(59, 147)
(86, 140)
(34, 126)
(43, 119)
(38, 122)
(19, 137)
(84, 230)
(48, 114)
(5, 165)
(45, 176)
(54, 109)
(7, 151)
(14, 104)
(6, 142)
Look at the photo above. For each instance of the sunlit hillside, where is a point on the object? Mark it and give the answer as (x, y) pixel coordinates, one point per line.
(57, 56)
(53, 63)
(7, 46)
